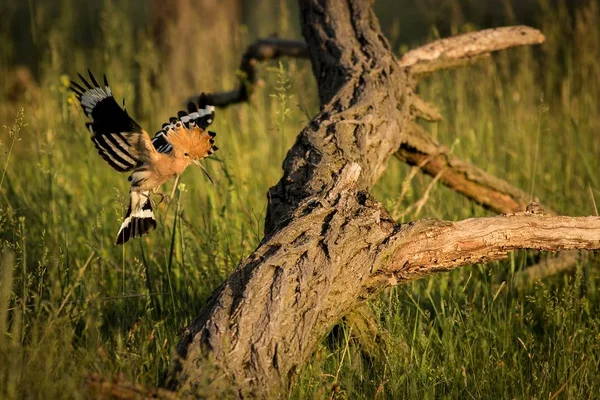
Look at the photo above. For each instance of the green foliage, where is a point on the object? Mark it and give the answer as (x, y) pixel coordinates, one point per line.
(71, 303)
(282, 98)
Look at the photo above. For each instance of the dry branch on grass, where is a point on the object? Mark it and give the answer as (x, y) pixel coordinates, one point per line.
(433, 159)
(440, 246)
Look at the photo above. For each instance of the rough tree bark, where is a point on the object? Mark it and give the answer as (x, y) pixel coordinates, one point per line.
(329, 244)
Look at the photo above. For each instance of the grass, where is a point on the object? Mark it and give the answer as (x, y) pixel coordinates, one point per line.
(71, 303)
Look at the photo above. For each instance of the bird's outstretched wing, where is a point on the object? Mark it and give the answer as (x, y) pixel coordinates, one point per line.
(118, 138)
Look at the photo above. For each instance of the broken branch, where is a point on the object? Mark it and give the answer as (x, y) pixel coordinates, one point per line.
(420, 149)
(465, 49)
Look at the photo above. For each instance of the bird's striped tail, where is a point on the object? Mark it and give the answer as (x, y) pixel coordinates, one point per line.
(139, 219)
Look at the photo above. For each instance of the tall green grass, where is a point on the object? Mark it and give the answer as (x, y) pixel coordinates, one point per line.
(71, 303)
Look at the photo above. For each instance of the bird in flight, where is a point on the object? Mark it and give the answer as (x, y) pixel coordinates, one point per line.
(126, 147)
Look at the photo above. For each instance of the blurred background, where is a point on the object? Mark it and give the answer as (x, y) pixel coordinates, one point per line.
(406, 22)
(71, 303)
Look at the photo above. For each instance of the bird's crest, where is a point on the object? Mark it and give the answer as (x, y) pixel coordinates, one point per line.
(187, 133)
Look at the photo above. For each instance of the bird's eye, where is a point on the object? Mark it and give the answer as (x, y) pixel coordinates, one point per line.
(186, 154)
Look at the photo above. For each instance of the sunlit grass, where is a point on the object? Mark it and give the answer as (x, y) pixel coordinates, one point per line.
(71, 303)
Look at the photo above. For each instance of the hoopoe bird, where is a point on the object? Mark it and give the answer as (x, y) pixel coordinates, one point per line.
(126, 147)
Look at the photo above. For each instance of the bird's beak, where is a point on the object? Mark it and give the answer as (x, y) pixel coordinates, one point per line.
(205, 171)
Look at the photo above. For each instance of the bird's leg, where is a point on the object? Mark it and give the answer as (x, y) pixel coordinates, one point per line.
(163, 196)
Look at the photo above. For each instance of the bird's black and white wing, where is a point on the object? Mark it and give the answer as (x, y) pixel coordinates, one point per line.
(118, 138)
(201, 117)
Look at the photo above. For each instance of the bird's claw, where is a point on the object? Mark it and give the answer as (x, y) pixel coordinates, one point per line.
(163, 197)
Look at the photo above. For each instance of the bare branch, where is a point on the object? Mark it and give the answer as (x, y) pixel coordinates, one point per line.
(428, 247)
(463, 49)
(420, 149)
(261, 50)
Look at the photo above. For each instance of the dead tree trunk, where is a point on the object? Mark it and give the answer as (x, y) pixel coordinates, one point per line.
(329, 244)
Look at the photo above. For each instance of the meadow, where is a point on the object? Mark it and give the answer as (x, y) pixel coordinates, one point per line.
(72, 303)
